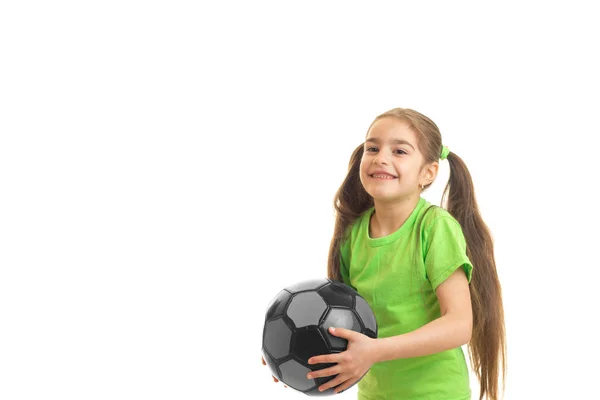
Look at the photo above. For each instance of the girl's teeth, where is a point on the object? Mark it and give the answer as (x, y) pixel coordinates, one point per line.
(382, 176)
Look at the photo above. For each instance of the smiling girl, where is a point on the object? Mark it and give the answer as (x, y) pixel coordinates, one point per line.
(428, 272)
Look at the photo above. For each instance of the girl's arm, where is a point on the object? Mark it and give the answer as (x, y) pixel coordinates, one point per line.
(452, 329)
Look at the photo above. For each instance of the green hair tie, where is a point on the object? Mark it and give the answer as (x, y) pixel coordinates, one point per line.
(444, 153)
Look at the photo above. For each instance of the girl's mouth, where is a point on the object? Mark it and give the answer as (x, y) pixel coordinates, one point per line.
(382, 176)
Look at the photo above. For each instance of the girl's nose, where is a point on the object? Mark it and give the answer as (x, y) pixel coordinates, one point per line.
(379, 159)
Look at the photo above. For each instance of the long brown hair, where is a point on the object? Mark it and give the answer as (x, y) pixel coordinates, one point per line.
(487, 347)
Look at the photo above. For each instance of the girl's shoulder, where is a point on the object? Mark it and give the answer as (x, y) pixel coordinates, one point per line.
(432, 214)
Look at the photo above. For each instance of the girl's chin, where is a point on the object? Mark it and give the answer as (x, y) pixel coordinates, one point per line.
(386, 196)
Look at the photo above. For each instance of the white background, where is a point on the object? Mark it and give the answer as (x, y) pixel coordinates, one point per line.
(167, 167)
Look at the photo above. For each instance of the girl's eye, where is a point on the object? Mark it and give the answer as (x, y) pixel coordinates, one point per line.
(399, 151)
(371, 149)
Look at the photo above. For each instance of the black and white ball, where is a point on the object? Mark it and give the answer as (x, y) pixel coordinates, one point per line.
(297, 325)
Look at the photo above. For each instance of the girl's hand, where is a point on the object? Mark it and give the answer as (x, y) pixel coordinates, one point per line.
(352, 364)
(274, 379)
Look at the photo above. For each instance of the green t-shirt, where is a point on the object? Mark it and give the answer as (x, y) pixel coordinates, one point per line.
(397, 275)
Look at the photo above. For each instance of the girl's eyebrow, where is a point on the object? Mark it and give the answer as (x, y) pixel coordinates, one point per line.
(393, 141)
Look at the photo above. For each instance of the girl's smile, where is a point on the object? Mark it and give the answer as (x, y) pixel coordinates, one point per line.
(382, 175)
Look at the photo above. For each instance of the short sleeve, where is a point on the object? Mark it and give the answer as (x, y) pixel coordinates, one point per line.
(445, 250)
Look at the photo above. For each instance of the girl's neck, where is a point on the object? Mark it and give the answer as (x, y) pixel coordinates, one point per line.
(389, 217)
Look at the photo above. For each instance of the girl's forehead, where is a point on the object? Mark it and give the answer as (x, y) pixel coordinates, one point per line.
(391, 128)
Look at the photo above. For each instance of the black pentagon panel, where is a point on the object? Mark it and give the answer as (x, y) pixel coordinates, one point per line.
(335, 296)
(277, 305)
(340, 318)
(311, 284)
(277, 338)
(306, 309)
(343, 287)
(294, 375)
(365, 313)
(271, 364)
(309, 343)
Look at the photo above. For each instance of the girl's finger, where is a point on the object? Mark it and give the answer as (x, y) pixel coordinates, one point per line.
(332, 383)
(326, 358)
(345, 386)
(324, 372)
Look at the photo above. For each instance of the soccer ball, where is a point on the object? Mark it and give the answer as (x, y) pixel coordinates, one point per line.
(297, 325)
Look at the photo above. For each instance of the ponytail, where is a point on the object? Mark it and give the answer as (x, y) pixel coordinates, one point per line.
(487, 347)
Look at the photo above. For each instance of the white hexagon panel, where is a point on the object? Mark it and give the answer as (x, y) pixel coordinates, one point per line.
(277, 338)
(306, 309)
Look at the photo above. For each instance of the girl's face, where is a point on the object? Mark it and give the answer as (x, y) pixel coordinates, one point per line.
(391, 162)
